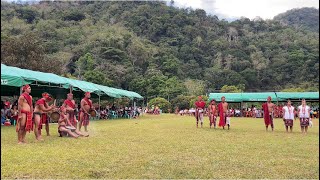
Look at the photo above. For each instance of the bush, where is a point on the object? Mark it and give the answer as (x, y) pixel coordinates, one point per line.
(162, 103)
(182, 102)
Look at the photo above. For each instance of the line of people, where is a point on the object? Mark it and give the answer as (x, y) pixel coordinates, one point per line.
(268, 110)
(31, 118)
(213, 111)
(288, 115)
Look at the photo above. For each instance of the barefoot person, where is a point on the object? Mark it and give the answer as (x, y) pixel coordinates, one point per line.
(288, 115)
(200, 104)
(212, 113)
(65, 130)
(40, 114)
(268, 113)
(86, 106)
(304, 115)
(223, 112)
(70, 106)
(25, 109)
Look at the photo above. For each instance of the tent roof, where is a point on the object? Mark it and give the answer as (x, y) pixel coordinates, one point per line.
(13, 76)
(262, 96)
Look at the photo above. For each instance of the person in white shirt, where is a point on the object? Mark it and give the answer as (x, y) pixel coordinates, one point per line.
(288, 115)
(304, 115)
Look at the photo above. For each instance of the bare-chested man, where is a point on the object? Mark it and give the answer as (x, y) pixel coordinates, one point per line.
(86, 106)
(212, 113)
(40, 113)
(25, 109)
(64, 125)
(223, 112)
(268, 113)
(200, 105)
(70, 106)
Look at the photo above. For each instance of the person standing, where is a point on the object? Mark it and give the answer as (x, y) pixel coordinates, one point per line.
(86, 106)
(200, 105)
(70, 106)
(40, 114)
(304, 116)
(25, 110)
(223, 112)
(268, 113)
(212, 110)
(288, 115)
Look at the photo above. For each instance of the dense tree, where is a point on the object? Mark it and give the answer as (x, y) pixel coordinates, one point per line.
(159, 50)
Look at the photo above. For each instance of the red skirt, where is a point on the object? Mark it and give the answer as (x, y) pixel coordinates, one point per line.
(288, 122)
(304, 122)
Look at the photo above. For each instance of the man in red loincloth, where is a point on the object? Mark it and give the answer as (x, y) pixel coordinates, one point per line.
(86, 106)
(200, 105)
(40, 114)
(212, 113)
(70, 106)
(268, 113)
(223, 112)
(25, 109)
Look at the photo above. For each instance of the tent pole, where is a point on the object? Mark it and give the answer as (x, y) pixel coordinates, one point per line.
(20, 90)
(99, 103)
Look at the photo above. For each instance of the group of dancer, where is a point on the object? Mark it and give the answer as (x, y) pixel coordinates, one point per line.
(213, 111)
(31, 118)
(268, 109)
(288, 115)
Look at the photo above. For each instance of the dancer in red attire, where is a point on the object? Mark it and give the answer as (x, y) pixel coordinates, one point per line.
(25, 109)
(268, 113)
(40, 114)
(212, 113)
(200, 105)
(70, 106)
(86, 106)
(223, 112)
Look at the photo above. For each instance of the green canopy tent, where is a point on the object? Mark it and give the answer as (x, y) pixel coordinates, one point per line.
(311, 96)
(262, 97)
(16, 77)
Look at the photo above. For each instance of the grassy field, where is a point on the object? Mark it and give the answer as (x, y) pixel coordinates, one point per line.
(165, 146)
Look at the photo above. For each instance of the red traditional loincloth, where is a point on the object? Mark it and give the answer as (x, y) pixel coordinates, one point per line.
(222, 121)
(268, 119)
(72, 119)
(29, 122)
(85, 118)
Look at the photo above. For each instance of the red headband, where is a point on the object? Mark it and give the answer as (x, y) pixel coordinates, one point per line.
(70, 94)
(87, 93)
(47, 96)
(25, 87)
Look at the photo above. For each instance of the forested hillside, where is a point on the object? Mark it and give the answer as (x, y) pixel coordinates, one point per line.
(303, 18)
(157, 50)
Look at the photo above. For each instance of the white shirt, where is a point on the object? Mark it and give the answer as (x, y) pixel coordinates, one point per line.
(304, 111)
(288, 112)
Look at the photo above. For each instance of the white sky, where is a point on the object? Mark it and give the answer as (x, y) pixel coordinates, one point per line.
(230, 9)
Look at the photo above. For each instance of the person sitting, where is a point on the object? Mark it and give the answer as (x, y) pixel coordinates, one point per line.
(65, 126)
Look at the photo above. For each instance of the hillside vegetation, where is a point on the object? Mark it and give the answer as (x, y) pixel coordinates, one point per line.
(158, 50)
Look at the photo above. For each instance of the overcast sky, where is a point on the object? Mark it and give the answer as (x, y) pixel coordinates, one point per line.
(233, 9)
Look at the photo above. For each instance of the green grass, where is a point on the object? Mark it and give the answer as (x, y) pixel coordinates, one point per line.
(165, 146)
